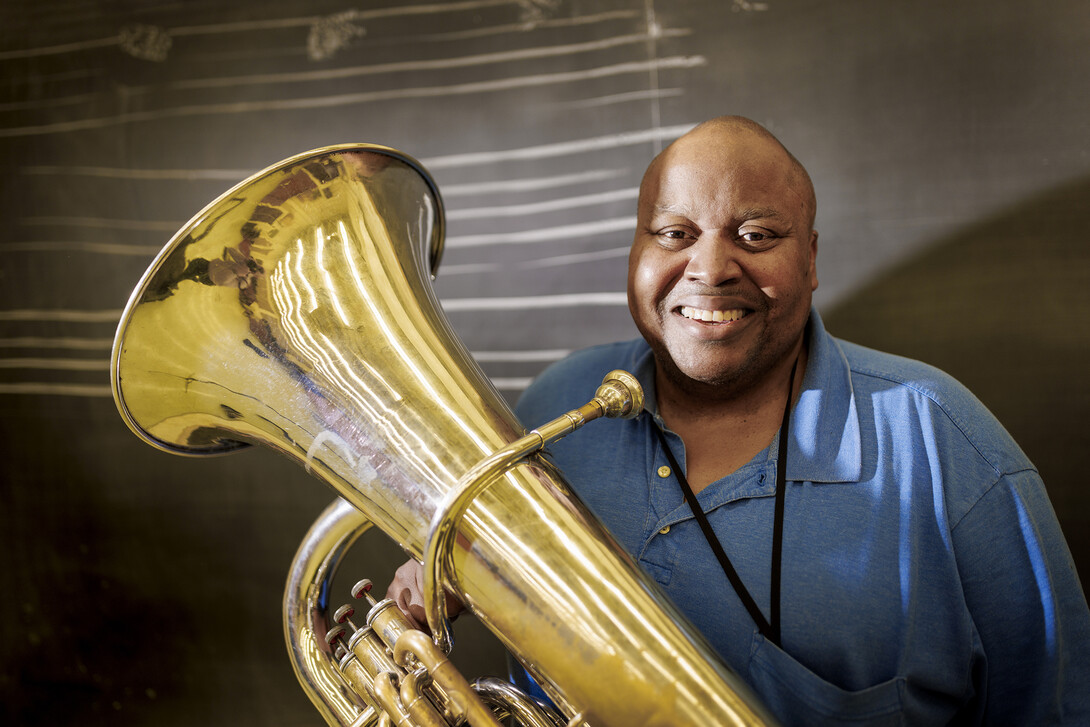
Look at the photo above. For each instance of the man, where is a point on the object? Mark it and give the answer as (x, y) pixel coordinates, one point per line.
(896, 560)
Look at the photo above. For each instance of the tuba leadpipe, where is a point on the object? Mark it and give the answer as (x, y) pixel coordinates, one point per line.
(296, 312)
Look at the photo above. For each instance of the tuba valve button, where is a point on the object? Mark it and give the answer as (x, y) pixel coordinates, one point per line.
(362, 589)
(343, 615)
(335, 634)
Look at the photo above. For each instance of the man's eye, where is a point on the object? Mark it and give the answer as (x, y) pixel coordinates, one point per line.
(674, 236)
(758, 239)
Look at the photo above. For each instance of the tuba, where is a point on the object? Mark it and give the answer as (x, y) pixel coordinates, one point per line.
(296, 312)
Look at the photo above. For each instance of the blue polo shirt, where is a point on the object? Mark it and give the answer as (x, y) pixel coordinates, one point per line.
(925, 578)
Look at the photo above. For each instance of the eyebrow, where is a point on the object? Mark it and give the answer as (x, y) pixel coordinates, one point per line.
(748, 213)
(671, 208)
(759, 213)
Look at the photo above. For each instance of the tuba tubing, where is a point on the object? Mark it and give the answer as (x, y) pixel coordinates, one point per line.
(306, 605)
(296, 312)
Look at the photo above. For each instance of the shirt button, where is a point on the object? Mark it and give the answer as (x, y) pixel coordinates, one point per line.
(665, 529)
(664, 471)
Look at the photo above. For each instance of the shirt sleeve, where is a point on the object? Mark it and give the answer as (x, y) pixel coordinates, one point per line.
(1027, 605)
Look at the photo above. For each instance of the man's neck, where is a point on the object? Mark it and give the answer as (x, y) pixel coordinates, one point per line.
(722, 434)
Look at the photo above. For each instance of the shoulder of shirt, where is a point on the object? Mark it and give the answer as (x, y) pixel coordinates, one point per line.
(958, 406)
(571, 382)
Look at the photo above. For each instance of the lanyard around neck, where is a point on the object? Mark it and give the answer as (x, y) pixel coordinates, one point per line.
(769, 628)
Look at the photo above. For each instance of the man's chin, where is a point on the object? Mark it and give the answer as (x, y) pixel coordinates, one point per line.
(704, 378)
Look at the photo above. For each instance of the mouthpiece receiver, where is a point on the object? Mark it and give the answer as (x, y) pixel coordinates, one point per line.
(620, 395)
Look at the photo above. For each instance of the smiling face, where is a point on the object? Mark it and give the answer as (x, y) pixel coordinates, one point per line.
(723, 266)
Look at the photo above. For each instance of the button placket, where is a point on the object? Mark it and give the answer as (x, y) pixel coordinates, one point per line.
(664, 472)
(666, 494)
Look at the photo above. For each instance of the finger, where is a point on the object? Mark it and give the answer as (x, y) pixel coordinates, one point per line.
(404, 577)
(418, 617)
(414, 613)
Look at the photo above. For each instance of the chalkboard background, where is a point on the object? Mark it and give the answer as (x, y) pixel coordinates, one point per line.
(948, 142)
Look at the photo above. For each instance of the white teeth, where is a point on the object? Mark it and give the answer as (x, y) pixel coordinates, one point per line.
(712, 316)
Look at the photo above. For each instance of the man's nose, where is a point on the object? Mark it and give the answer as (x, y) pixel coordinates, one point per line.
(713, 261)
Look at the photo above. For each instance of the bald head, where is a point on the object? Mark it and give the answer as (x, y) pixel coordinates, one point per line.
(723, 261)
(742, 138)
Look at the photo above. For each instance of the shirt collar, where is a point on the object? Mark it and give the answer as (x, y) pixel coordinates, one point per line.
(825, 444)
(825, 441)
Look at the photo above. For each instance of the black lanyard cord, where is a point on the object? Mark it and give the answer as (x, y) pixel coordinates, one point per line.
(769, 628)
(777, 518)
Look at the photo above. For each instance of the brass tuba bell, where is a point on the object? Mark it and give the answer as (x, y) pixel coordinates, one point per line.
(296, 312)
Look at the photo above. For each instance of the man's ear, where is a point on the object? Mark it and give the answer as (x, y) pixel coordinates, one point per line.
(813, 260)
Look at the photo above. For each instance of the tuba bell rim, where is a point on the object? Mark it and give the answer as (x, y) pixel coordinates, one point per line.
(137, 296)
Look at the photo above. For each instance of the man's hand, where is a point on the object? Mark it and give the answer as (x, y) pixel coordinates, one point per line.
(407, 591)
